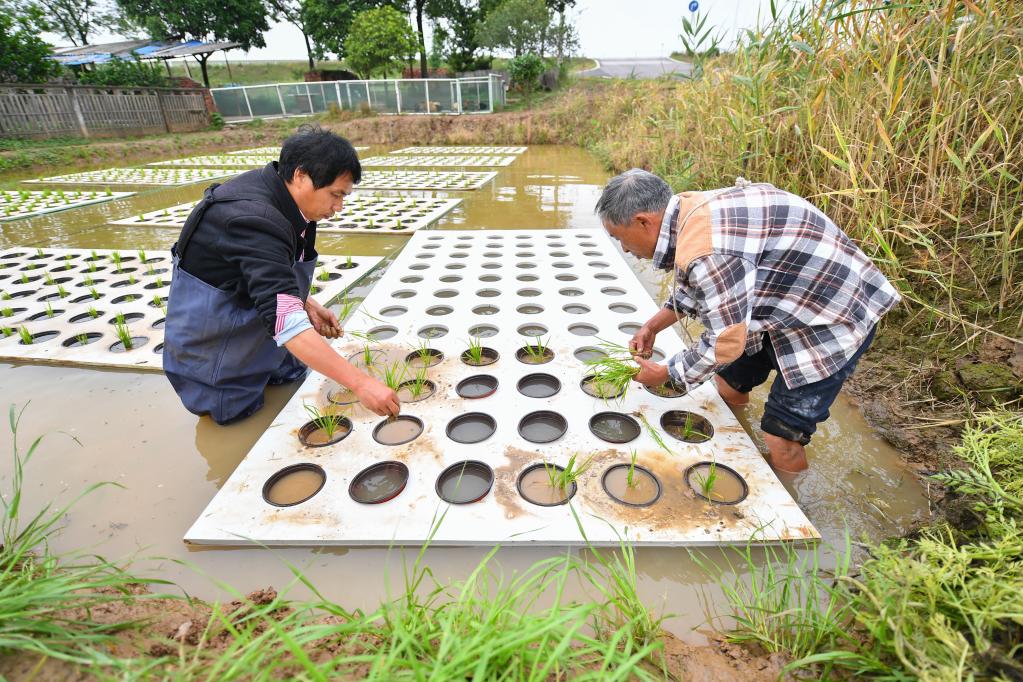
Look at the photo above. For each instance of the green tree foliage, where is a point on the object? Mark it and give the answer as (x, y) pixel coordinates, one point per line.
(458, 22)
(76, 20)
(296, 13)
(24, 56)
(126, 72)
(519, 26)
(241, 21)
(329, 22)
(380, 40)
(525, 71)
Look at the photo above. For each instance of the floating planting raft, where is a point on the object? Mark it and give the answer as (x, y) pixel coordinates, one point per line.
(239, 160)
(275, 151)
(107, 308)
(16, 204)
(479, 149)
(485, 334)
(362, 214)
(139, 176)
(425, 180)
(438, 161)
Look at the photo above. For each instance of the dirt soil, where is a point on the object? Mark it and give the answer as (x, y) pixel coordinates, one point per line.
(177, 628)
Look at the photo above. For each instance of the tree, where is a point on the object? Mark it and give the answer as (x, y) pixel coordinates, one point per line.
(380, 40)
(460, 20)
(295, 13)
(329, 22)
(520, 26)
(76, 20)
(564, 36)
(124, 72)
(24, 56)
(240, 21)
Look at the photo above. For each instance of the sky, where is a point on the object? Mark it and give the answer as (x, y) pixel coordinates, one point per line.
(607, 28)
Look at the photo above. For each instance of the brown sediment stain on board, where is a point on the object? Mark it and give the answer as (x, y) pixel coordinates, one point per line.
(677, 509)
(506, 493)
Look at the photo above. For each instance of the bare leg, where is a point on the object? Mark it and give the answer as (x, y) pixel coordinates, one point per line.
(787, 456)
(729, 394)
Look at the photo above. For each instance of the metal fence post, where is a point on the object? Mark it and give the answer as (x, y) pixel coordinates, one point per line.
(490, 95)
(284, 111)
(369, 101)
(248, 104)
(397, 96)
(76, 107)
(337, 95)
(309, 97)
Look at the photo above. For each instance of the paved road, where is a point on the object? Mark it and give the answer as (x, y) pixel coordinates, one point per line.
(650, 67)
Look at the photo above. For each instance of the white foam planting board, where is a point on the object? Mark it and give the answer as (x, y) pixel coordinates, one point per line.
(425, 180)
(474, 149)
(564, 278)
(438, 161)
(16, 204)
(139, 176)
(70, 296)
(213, 160)
(362, 214)
(275, 151)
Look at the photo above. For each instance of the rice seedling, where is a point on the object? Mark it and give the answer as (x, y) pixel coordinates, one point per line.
(536, 352)
(94, 293)
(92, 266)
(61, 291)
(367, 356)
(93, 313)
(24, 278)
(88, 281)
(124, 335)
(67, 261)
(116, 258)
(325, 420)
(7, 331)
(4, 296)
(324, 276)
(6, 311)
(394, 374)
(26, 336)
(570, 473)
(49, 310)
(629, 477)
(48, 279)
(142, 256)
(119, 318)
(346, 306)
(157, 301)
(654, 433)
(39, 253)
(131, 279)
(424, 352)
(417, 384)
(83, 339)
(706, 482)
(613, 370)
(475, 350)
(159, 281)
(348, 262)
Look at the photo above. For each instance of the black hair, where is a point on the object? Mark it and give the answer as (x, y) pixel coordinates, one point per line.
(323, 156)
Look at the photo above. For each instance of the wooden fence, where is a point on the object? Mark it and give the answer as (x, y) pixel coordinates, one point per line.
(91, 111)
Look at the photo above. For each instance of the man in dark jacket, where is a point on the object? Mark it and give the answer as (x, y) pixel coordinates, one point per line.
(240, 315)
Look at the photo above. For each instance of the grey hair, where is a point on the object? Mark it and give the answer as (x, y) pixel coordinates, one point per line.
(634, 191)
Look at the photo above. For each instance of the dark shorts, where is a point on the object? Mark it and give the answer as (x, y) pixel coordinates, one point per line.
(790, 413)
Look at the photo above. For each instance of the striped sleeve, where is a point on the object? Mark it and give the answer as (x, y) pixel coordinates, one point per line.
(291, 319)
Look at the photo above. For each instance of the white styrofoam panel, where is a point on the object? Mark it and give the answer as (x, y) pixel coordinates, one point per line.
(425, 180)
(472, 149)
(16, 204)
(275, 151)
(363, 213)
(139, 176)
(49, 273)
(438, 161)
(214, 160)
(462, 270)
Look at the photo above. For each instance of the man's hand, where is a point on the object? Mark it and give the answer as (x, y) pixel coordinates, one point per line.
(377, 397)
(324, 321)
(642, 343)
(650, 373)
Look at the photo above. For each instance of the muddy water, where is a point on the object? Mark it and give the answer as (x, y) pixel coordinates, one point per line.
(716, 484)
(535, 486)
(465, 482)
(297, 486)
(398, 430)
(642, 491)
(379, 483)
(133, 431)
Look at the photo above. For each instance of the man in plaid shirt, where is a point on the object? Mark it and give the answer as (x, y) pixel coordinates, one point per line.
(775, 283)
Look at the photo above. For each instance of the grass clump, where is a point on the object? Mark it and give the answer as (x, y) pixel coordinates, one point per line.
(474, 353)
(944, 604)
(123, 333)
(325, 420)
(567, 476)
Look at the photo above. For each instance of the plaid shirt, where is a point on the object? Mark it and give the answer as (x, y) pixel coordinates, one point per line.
(774, 264)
